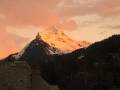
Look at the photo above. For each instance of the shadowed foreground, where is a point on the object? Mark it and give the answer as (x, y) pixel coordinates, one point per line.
(17, 75)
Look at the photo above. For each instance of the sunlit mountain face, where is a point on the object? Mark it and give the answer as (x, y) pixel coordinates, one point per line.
(60, 40)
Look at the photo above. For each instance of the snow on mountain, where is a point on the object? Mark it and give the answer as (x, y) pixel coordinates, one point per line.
(35, 47)
(58, 39)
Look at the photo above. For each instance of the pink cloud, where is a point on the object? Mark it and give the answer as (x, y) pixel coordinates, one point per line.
(25, 12)
(28, 12)
(101, 7)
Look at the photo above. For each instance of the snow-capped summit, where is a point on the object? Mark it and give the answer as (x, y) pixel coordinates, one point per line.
(58, 39)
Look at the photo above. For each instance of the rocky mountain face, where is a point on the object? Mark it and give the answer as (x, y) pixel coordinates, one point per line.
(35, 50)
(41, 66)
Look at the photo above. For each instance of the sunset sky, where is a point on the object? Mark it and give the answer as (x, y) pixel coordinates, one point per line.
(90, 20)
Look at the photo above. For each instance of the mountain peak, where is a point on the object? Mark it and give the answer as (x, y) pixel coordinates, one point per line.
(58, 39)
(38, 37)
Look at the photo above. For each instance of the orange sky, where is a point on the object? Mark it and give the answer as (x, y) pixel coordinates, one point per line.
(90, 20)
